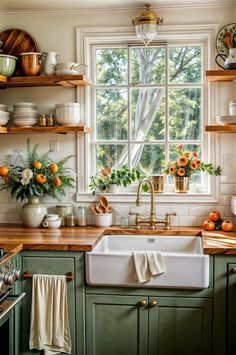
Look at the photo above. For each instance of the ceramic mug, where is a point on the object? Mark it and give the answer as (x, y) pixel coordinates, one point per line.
(53, 224)
(30, 63)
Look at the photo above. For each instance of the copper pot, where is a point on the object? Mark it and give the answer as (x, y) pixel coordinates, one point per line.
(30, 63)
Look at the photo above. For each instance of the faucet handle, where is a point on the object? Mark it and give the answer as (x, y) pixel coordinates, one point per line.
(171, 214)
(137, 219)
(168, 227)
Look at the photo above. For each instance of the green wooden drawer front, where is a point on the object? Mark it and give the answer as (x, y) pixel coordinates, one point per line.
(115, 325)
(38, 262)
(180, 326)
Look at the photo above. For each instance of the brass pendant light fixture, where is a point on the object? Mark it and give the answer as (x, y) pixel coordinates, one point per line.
(146, 25)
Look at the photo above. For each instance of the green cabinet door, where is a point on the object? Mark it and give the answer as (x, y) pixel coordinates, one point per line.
(180, 326)
(231, 309)
(116, 325)
(55, 263)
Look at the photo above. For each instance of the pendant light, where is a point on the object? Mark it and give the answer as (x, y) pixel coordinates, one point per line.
(146, 25)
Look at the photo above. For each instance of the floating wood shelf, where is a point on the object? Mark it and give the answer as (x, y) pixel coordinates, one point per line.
(219, 128)
(220, 75)
(54, 129)
(69, 81)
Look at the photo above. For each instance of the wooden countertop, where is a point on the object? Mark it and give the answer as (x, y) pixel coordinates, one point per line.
(17, 238)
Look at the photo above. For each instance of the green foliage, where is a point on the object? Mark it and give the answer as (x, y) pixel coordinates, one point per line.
(120, 177)
(37, 178)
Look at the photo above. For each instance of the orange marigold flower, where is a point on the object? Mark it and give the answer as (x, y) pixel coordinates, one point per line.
(198, 162)
(182, 161)
(195, 154)
(193, 165)
(106, 171)
(187, 154)
(179, 146)
(37, 164)
(172, 169)
(181, 172)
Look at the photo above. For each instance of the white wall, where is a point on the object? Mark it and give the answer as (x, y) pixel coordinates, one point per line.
(56, 32)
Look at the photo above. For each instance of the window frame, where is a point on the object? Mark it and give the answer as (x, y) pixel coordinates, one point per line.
(87, 38)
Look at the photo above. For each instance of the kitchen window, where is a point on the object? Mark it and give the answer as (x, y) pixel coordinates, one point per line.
(146, 101)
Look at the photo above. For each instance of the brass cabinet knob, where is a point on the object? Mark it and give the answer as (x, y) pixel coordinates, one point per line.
(141, 303)
(234, 270)
(152, 304)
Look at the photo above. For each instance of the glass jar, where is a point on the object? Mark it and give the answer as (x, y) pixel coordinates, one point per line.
(70, 220)
(81, 217)
(63, 210)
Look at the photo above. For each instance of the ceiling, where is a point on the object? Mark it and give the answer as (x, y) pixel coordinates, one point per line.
(59, 5)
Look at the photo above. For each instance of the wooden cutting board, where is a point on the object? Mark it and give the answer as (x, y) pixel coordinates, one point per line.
(16, 41)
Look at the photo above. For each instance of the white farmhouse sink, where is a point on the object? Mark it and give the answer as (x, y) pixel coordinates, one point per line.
(110, 263)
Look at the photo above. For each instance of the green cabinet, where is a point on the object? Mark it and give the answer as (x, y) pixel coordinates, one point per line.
(225, 305)
(137, 325)
(55, 263)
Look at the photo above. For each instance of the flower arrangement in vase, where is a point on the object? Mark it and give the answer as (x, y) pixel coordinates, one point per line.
(186, 165)
(38, 176)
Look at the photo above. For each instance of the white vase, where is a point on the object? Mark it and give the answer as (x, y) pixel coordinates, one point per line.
(33, 212)
(112, 188)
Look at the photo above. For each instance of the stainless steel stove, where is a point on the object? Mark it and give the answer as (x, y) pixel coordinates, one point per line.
(9, 275)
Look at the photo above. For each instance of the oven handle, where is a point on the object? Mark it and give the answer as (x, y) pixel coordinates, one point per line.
(9, 303)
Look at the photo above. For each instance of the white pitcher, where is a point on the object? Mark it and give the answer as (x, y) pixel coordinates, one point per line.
(51, 59)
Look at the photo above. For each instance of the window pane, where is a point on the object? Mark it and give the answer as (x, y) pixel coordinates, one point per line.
(185, 64)
(147, 114)
(185, 114)
(112, 116)
(148, 158)
(111, 66)
(113, 155)
(148, 65)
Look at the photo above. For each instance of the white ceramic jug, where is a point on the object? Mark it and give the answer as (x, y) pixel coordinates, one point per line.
(51, 59)
(229, 61)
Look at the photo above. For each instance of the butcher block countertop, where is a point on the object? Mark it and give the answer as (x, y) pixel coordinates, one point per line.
(16, 238)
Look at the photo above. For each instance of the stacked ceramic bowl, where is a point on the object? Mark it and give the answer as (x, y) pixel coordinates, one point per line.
(68, 114)
(4, 115)
(25, 114)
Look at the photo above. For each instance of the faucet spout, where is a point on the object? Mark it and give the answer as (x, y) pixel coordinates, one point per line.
(138, 198)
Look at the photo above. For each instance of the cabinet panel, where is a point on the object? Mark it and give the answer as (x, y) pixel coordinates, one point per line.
(45, 264)
(116, 325)
(180, 326)
(231, 309)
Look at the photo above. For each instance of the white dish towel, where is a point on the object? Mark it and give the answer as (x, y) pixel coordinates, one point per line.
(148, 264)
(49, 328)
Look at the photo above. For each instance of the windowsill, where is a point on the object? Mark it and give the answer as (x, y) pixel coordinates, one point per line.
(166, 197)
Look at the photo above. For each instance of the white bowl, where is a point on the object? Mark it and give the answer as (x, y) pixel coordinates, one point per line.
(24, 105)
(25, 123)
(103, 220)
(66, 66)
(52, 224)
(25, 109)
(68, 114)
(3, 107)
(226, 120)
(3, 121)
(25, 115)
(4, 114)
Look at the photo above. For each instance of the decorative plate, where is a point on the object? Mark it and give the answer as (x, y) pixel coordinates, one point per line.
(226, 38)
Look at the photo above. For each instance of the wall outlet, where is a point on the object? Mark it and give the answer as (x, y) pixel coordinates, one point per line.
(54, 145)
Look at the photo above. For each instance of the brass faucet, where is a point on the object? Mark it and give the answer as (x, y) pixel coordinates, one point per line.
(152, 221)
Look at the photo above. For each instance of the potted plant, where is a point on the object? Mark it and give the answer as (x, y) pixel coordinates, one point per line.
(187, 164)
(109, 179)
(38, 176)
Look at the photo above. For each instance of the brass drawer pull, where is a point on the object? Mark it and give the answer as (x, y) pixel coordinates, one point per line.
(234, 270)
(152, 304)
(141, 303)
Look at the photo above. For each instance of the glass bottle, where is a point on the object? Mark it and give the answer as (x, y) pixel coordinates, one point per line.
(81, 218)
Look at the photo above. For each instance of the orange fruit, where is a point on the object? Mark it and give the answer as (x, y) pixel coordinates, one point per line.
(57, 181)
(4, 170)
(53, 168)
(37, 165)
(40, 178)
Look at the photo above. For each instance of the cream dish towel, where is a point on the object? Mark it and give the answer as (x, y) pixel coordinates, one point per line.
(49, 328)
(148, 264)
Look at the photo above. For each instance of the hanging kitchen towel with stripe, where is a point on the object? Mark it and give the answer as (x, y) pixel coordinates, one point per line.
(49, 328)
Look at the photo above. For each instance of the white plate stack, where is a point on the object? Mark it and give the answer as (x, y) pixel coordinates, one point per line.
(4, 115)
(25, 114)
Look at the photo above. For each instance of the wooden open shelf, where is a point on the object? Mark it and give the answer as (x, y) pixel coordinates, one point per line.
(220, 75)
(54, 129)
(69, 81)
(221, 128)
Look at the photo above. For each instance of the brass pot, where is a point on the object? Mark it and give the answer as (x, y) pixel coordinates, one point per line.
(158, 183)
(181, 183)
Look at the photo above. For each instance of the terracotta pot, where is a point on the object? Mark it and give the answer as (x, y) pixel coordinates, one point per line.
(30, 63)
(181, 183)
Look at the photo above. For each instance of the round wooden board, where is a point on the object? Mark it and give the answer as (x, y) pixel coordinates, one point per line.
(16, 41)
